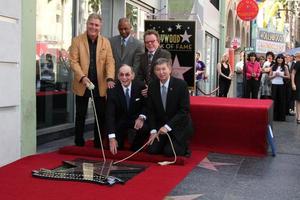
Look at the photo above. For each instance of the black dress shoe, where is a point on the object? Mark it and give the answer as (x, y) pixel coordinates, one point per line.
(79, 144)
(79, 141)
(188, 153)
(97, 145)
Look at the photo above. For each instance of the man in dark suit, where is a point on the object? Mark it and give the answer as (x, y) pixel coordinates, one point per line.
(153, 52)
(169, 112)
(126, 112)
(126, 49)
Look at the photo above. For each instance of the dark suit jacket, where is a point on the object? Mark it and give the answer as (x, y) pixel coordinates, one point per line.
(144, 65)
(131, 56)
(117, 115)
(177, 114)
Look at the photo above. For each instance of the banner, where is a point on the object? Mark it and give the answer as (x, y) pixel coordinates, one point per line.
(178, 37)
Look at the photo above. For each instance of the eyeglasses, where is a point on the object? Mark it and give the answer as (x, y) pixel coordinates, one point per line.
(124, 74)
(150, 41)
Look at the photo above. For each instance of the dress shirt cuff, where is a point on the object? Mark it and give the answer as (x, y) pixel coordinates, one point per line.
(153, 131)
(143, 116)
(111, 136)
(168, 127)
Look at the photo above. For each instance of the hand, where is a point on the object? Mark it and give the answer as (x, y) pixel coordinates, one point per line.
(294, 87)
(110, 84)
(86, 81)
(229, 77)
(152, 137)
(113, 144)
(145, 91)
(139, 122)
(162, 130)
(253, 75)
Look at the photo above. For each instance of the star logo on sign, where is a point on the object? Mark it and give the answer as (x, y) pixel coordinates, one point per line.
(170, 29)
(184, 197)
(177, 70)
(178, 26)
(207, 164)
(185, 37)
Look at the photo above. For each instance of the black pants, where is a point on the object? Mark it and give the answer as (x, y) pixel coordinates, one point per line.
(252, 87)
(81, 110)
(290, 98)
(164, 146)
(224, 86)
(135, 138)
(278, 96)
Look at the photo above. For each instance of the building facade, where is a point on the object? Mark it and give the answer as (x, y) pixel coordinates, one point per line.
(37, 101)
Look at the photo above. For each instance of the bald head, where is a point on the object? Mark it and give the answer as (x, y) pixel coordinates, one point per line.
(125, 75)
(124, 27)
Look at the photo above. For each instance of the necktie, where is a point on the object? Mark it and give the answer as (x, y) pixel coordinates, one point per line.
(127, 97)
(122, 46)
(164, 95)
(150, 57)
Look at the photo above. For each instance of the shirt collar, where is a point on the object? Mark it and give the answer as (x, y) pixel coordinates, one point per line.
(153, 52)
(125, 39)
(166, 84)
(129, 87)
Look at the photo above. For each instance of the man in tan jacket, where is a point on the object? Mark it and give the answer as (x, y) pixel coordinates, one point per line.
(92, 62)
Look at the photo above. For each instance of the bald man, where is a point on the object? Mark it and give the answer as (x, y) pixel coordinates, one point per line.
(126, 112)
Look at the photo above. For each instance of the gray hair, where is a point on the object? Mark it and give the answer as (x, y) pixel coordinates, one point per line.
(94, 16)
(161, 61)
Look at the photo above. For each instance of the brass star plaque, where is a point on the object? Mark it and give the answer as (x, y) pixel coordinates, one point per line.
(100, 172)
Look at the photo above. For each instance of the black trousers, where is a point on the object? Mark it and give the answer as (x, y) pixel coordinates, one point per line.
(252, 88)
(290, 97)
(278, 96)
(81, 110)
(163, 146)
(135, 138)
(224, 86)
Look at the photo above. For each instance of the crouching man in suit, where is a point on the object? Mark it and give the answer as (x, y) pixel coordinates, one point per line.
(126, 112)
(169, 112)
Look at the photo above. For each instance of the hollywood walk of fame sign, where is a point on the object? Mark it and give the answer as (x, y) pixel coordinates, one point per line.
(83, 170)
(178, 37)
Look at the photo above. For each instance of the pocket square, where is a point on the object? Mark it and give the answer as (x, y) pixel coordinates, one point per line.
(137, 99)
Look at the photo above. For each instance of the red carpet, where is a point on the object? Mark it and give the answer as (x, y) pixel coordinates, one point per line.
(154, 183)
(142, 156)
(230, 125)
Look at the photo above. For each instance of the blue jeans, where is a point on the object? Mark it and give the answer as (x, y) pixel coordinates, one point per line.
(239, 90)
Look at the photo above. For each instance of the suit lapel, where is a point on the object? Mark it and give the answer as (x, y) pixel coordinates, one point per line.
(156, 55)
(128, 47)
(86, 44)
(99, 46)
(157, 94)
(133, 94)
(121, 94)
(118, 46)
(170, 94)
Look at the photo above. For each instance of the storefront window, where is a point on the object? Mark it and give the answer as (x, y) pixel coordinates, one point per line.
(211, 59)
(53, 76)
(137, 14)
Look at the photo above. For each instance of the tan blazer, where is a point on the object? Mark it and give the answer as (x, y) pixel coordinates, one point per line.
(80, 60)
